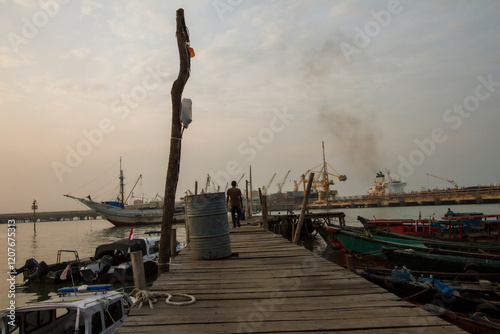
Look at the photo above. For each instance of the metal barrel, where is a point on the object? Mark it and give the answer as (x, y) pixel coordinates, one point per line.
(208, 226)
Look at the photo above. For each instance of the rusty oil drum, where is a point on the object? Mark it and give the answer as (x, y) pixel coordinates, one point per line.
(208, 226)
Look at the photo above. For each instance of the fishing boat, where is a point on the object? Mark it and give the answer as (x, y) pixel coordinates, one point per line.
(456, 296)
(452, 224)
(427, 261)
(55, 273)
(477, 323)
(84, 310)
(372, 244)
(112, 261)
(363, 242)
(401, 226)
(119, 213)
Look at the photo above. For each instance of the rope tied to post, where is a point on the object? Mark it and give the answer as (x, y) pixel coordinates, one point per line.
(146, 297)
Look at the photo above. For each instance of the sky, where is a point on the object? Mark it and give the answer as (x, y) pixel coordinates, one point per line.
(412, 87)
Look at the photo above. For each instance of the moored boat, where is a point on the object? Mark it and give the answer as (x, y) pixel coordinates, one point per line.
(120, 214)
(477, 323)
(55, 273)
(426, 261)
(84, 310)
(455, 296)
(353, 241)
(112, 261)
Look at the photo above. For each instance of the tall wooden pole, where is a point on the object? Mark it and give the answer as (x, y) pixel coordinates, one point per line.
(250, 214)
(296, 236)
(175, 143)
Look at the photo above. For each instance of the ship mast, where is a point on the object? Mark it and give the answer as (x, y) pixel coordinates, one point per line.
(122, 197)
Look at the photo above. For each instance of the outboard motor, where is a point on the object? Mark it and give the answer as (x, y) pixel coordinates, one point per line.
(29, 265)
(104, 264)
(41, 269)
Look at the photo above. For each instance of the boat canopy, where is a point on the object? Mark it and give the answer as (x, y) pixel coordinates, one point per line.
(125, 246)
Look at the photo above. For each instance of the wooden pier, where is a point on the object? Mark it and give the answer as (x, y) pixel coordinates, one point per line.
(270, 285)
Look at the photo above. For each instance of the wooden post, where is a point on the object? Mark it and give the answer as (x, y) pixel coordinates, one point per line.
(349, 259)
(263, 207)
(186, 222)
(304, 208)
(247, 206)
(250, 214)
(173, 243)
(138, 269)
(175, 142)
(196, 187)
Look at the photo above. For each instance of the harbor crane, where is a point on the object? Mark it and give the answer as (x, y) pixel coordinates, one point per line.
(207, 185)
(442, 178)
(297, 183)
(264, 188)
(280, 185)
(322, 180)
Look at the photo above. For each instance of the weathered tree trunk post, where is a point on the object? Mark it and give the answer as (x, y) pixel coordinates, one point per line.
(138, 270)
(303, 211)
(263, 206)
(175, 143)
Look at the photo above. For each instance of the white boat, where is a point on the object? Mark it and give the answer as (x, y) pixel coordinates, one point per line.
(83, 310)
(112, 262)
(120, 214)
(123, 216)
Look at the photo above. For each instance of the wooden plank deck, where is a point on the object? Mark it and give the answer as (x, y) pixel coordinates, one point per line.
(274, 286)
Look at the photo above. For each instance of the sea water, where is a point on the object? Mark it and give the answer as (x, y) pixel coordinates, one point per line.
(85, 235)
(80, 235)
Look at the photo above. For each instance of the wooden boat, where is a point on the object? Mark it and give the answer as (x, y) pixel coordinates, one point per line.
(459, 297)
(401, 226)
(55, 273)
(471, 277)
(85, 310)
(452, 244)
(119, 213)
(426, 261)
(478, 323)
(353, 241)
(452, 224)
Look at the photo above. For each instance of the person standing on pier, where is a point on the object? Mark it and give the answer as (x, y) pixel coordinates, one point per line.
(235, 200)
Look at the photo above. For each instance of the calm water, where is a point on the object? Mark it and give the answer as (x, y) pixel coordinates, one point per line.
(80, 235)
(85, 235)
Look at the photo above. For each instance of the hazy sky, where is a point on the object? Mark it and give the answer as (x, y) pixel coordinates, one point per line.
(410, 86)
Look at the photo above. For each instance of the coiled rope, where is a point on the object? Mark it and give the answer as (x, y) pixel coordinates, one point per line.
(146, 297)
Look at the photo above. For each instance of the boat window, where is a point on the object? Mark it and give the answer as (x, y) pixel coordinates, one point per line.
(113, 314)
(60, 312)
(37, 319)
(96, 323)
(12, 329)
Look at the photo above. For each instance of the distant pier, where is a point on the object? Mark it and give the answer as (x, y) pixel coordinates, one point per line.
(49, 216)
(270, 285)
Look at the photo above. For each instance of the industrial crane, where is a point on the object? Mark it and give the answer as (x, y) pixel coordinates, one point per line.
(322, 180)
(280, 185)
(297, 183)
(240, 178)
(442, 178)
(207, 185)
(264, 188)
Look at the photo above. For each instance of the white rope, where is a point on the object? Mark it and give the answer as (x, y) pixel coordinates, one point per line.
(142, 297)
(191, 300)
